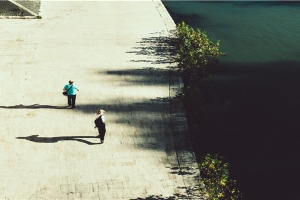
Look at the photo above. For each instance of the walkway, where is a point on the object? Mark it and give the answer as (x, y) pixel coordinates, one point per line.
(115, 52)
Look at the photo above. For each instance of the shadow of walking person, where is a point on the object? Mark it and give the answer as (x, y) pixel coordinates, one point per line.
(36, 138)
(34, 106)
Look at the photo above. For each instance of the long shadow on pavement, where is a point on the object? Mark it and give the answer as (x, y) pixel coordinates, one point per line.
(36, 138)
(152, 197)
(34, 106)
(190, 191)
(146, 75)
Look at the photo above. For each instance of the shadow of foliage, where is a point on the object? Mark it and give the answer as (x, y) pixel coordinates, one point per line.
(183, 171)
(160, 197)
(154, 197)
(147, 75)
(158, 49)
(192, 193)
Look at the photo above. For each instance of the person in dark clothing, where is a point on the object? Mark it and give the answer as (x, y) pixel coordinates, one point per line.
(100, 124)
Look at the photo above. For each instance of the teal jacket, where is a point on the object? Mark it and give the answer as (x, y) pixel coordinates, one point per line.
(72, 90)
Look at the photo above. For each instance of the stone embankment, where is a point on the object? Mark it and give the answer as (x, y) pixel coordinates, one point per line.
(19, 8)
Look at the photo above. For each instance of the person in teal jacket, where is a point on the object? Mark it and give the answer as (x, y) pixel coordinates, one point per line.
(71, 93)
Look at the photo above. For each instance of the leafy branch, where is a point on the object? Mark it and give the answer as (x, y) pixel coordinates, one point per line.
(197, 56)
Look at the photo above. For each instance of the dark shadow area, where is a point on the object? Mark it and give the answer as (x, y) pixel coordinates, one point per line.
(183, 171)
(158, 49)
(151, 106)
(145, 76)
(190, 195)
(36, 138)
(253, 124)
(156, 197)
(34, 106)
(142, 117)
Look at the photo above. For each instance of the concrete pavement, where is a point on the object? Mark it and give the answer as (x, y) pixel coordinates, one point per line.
(115, 51)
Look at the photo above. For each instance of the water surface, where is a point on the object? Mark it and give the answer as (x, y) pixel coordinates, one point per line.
(257, 90)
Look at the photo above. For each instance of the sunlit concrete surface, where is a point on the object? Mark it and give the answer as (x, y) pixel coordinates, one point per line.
(115, 51)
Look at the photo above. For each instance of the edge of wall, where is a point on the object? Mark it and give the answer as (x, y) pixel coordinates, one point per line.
(20, 9)
(188, 166)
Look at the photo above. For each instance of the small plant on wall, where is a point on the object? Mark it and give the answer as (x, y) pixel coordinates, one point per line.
(196, 53)
(196, 56)
(215, 176)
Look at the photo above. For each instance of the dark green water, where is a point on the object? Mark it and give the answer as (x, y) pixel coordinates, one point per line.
(257, 86)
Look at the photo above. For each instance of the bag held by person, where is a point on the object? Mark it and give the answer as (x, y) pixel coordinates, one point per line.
(65, 93)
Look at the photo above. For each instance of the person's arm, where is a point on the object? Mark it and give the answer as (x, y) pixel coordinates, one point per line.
(95, 124)
(97, 116)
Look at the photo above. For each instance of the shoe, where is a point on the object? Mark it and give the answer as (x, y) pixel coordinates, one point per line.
(102, 141)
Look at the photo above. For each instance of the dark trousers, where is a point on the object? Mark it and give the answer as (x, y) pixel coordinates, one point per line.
(71, 100)
(101, 134)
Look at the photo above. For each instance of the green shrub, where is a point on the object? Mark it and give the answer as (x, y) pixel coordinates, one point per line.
(196, 56)
(215, 176)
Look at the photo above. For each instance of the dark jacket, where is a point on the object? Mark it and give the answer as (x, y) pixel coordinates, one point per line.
(99, 123)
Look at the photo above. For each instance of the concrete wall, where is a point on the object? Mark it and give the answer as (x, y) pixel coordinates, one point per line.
(19, 8)
(32, 5)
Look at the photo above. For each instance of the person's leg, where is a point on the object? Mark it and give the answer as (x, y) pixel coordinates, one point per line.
(69, 100)
(73, 101)
(99, 131)
(102, 134)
